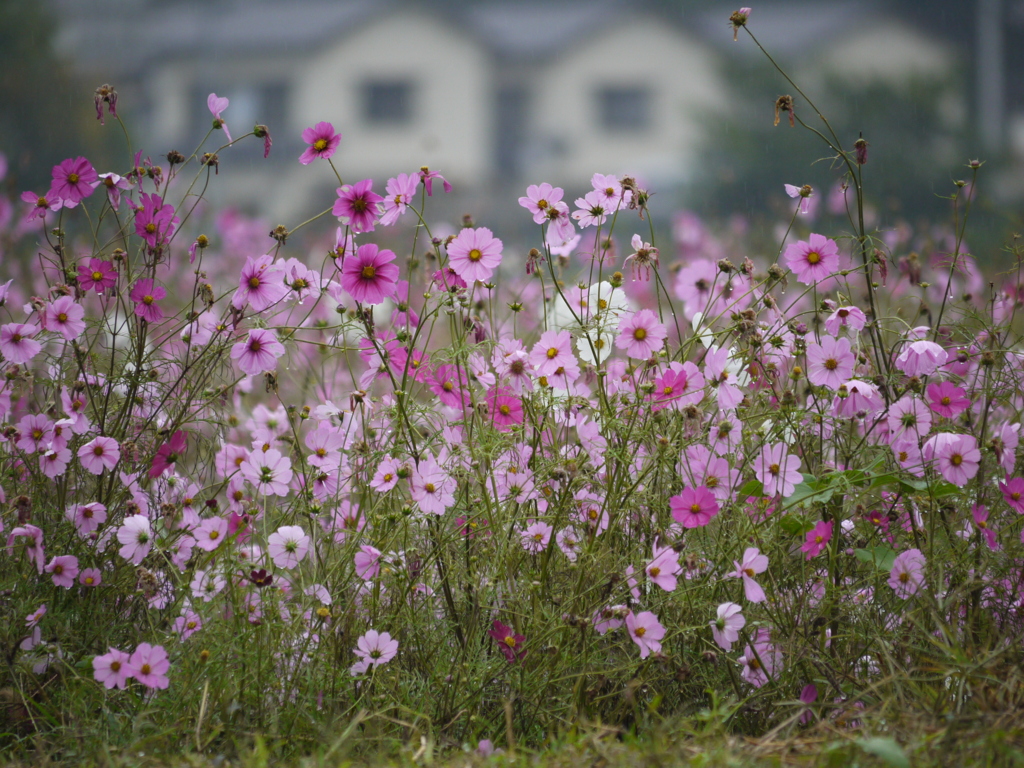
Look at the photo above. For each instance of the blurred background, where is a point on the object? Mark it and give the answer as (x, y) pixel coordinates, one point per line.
(499, 94)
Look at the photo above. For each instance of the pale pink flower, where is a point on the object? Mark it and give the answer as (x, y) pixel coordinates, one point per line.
(431, 487)
(373, 649)
(830, 363)
(845, 317)
(287, 546)
(258, 352)
(17, 342)
(641, 335)
(269, 472)
(149, 665)
(210, 533)
(399, 192)
(536, 537)
(778, 471)
(540, 199)
(99, 454)
(664, 567)
(753, 563)
(646, 632)
(726, 628)
(813, 260)
(136, 538)
(922, 357)
(367, 562)
(907, 575)
(474, 254)
(112, 669)
(62, 570)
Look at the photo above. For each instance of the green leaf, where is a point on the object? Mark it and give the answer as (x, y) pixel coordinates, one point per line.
(812, 491)
(795, 525)
(887, 750)
(882, 557)
(750, 488)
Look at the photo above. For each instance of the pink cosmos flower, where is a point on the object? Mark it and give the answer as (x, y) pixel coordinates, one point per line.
(431, 487)
(187, 624)
(908, 420)
(753, 563)
(980, 514)
(54, 462)
(664, 567)
(154, 221)
(539, 200)
(369, 276)
(1013, 493)
(778, 471)
(641, 335)
(358, 205)
(373, 649)
(73, 181)
(146, 294)
(322, 140)
(367, 562)
(149, 665)
(646, 632)
(64, 316)
(17, 342)
(958, 459)
(136, 538)
(41, 204)
(474, 254)
(947, 399)
(536, 537)
(812, 260)
(87, 517)
(509, 642)
(114, 185)
(845, 317)
(34, 550)
(805, 199)
(210, 533)
(922, 357)
(857, 399)
(551, 352)
(830, 363)
(217, 104)
(386, 476)
(261, 284)
(427, 176)
(112, 669)
(694, 507)
(907, 575)
(505, 409)
(97, 275)
(399, 193)
(593, 209)
(259, 352)
(90, 577)
(817, 539)
(168, 454)
(268, 472)
(62, 570)
(447, 383)
(35, 431)
(726, 628)
(99, 454)
(761, 662)
(287, 546)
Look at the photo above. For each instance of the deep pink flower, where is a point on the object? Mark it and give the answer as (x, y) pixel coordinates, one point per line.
(287, 546)
(149, 665)
(474, 254)
(62, 570)
(97, 275)
(217, 104)
(812, 260)
(505, 409)
(830, 363)
(154, 221)
(73, 181)
(146, 294)
(261, 284)
(427, 176)
(112, 669)
(907, 575)
(259, 352)
(509, 642)
(399, 192)
(641, 334)
(726, 628)
(646, 631)
(817, 539)
(358, 206)
(99, 454)
(322, 140)
(168, 453)
(694, 507)
(947, 399)
(1013, 493)
(753, 563)
(980, 514)
(17, 342)
(448, 382)
(370, 276)
(778, 471)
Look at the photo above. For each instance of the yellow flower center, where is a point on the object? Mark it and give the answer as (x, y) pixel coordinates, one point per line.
(320, 145)
(475, 255)
(813, 257)
(640, 631)
(369, 272)
(640, 334)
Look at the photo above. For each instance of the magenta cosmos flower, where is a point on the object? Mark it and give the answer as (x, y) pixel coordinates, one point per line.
(641, 335)
(646, 631)
(778, 471)
(287, 546)
(726, 628)
(64, 316)
(99, 454)
(259, 352)
(369, 276)
(474, 254)
(947, 399)
(322, 140)
(907, 575)
(97, 275)
(167, 454)
(812, 260)
(1013, 493)
(146, 294)
(154, 221)
(505, 409)
(73, 181)
(41, 204)
(112, 669)
(261, 284)
(17, 344)
(149, 665)
(509, 642)
(358, 206)
(817, 539)
(830, 363)
(694, 507)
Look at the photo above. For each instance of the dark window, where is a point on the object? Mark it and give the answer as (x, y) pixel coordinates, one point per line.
(388, 102)
(624, 108)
